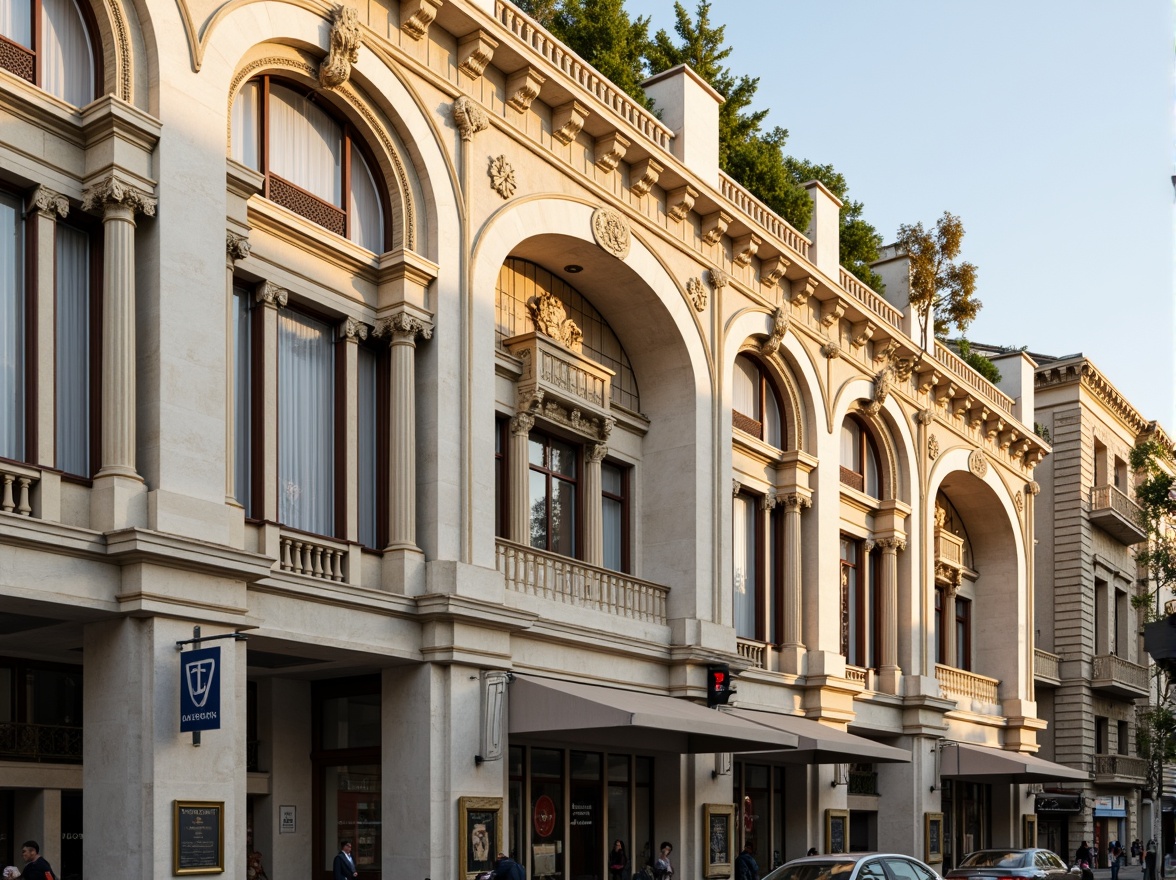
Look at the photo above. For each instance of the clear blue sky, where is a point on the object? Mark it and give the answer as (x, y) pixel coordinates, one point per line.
(1047, 125)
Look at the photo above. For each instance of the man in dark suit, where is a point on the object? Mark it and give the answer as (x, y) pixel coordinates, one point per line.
(345, 863)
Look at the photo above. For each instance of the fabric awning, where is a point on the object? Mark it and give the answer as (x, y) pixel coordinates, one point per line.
(601, 716)
(821, 744)
(974, 763)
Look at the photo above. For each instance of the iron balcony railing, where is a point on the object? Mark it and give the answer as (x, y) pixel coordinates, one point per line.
(52, 743)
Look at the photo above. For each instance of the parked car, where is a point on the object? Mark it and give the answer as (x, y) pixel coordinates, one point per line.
(855, 866)
(998, 864)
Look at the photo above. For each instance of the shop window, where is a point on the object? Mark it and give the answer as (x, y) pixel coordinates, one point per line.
(619, 811)
(859, 603)
(312, 162)
(547, 819)
(48, 43)
(554, 479)
(585, 819)
(755, 407)
(516, 832)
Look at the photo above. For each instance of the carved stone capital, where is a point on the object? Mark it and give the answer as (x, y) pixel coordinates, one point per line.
(895, 544)
(802, 289)
(697, 293)
(779, 328)
(735, 487)
(110, 192)
(567, 120)
(768, 502)
(469, 118)
(718, 278)
(597, 452)
(522, 88)
(831, 350)
(679, 201)
(270, 295)
(610, 150)
(352, 330)
(611, 231)
(417, 15)
(1032, 488)
(237, 247)
(474, 52)
(50, 203)
(796, 501)
(744, 248)
(773, 269)
(502, 177)
(402, 328)
(714, 225)
(522, 423)
(643, 174)
(345, 41)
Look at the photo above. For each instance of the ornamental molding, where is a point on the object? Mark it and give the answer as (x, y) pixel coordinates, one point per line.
(110, 192)
(550, 319)
(697, 293)
(346, 38)
(417, 15)
(502, 177)
(679, 201)
(1086, 374)
(609, 150)
(978, 463)
(714, 225)
(779, 328)
(469, 118)
(269, 294)
(567, 120)
(773, 269)
(353, 330)
(522, 88)
(402, 328)
(50, 203)
(474, 52)
(533, 402)
(611, 231)
(237, 247)
(933, 447)
(643, 174)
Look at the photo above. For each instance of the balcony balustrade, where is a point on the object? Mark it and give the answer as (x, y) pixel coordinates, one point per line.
(978, 693)
(49, 743)
(1119, 770)
(313, 557)
(1047, 668)
(1116, 514)
(755, 653)
(1120, 677)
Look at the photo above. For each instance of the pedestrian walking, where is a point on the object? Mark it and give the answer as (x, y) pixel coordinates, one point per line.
(1149, 861)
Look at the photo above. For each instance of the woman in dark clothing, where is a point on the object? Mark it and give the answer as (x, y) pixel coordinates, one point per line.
(618, 861)
(1083, 853)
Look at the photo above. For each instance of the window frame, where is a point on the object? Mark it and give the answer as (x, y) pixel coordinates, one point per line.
(963, 629)
(860, 618)
(577, 532)
(624, 500)
(866, 445)
(35, 51)
(747, 423)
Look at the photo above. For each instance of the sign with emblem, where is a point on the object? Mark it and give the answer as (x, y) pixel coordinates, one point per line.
(200, 675)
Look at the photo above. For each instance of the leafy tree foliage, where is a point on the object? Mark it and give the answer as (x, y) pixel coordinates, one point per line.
(977, 361)
(943, 291)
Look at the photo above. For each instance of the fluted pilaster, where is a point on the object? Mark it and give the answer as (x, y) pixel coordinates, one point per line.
(519, 524)
(593, 510)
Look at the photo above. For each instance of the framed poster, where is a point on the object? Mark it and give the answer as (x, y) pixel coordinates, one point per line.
(933, 838)
(198, 837)
(1029, 830)
(287, 819)
(480, 828)
(836, 831)
(719, 827)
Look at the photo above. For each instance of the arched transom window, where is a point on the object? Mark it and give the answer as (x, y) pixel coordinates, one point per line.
(312, 162)
(47, 42)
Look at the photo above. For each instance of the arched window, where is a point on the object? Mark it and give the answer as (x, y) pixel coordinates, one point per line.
(860, 466)
(755, 409)
(313, 164)
(47, 42)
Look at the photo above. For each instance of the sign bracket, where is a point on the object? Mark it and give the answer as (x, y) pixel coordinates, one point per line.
(198, 639)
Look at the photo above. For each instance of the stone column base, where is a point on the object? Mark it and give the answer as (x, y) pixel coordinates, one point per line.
(118, 501)
(790, 659)
(888, 680)
(402, 570)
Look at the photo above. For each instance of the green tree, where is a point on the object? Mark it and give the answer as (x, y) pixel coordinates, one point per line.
(978, 362)
(943, 291)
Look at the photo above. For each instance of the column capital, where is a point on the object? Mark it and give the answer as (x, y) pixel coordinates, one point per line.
(892, 543)
(522, 424)
(269, 294)
(111, 193)
(597, 452)
(237, 247)
(795, 501)
(402, 328)
(352, 330)
(50, 203)
(1032, 487)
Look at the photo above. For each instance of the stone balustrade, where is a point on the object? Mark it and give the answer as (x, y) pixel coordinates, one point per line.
(313, 556)
(965, 685)
(753, 652)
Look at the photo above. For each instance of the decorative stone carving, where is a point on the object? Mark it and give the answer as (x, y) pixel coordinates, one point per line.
(611, 231)
(112, 192)
(402, 327)
(502, 177)
(50, 203)
(940, 516)
(643, 174)
(353, 330)
(1019, 502)
(269, 294)
(978, 463)
(597, 452)
(796, 501)
(469, 118)
(860, 333)
(881, 390)
(714, 225)
(679, 201)
(550, 319)
(802, 289)
(925, 416)
(895, 369)
(768, 501)
(718, 278)
(417, 15)
(697, 293)
(533, 402)
(892, 543)
(610, 150)
(346, 38)
(735, 487)
(933, 447)
(522, 88)
(773, 269)
(237, 246)
(831, 312)
(744, 248)
(567, 120)
(474, 52)
(522, 423)
(779, 328)
(831, 350)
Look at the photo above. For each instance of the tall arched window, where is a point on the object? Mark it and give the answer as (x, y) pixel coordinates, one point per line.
(313, 164)
(47, 42)
(755, 409)
(860, 464)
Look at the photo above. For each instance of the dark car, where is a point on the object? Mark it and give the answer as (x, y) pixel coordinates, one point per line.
(855, 866)
(996, 864)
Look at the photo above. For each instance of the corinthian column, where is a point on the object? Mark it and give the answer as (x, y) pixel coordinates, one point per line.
(792, 645)
(593, 510)
(402, 330)
(889, 673)
(518, 471)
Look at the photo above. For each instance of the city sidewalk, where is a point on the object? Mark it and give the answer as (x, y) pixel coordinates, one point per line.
(1127, 872)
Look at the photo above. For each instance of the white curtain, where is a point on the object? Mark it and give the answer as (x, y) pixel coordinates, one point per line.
(242, 399)
(12, 329)
(367, 219)
(773, 435)
(744, 545)
(246, 126)
(306, 424)
(366, 411)
(611, 482)
(16, 21)
(73, 350)
(67, 60)
(305, 145)
(745, 390)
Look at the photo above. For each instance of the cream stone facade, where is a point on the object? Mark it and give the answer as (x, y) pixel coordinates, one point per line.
(493, 413)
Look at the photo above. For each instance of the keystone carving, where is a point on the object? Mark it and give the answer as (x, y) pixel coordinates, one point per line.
(567, 120)
(417, 15)
(502, 177)
(550, 319)
(522, 87)
(643, 175)
(469, 118)
(344, 48)
(610, 150)
(474, 52)
(611, 231)
(779, 328)
(679, 202)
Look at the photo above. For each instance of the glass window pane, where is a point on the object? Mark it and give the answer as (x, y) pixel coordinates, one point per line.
(850, 451)
(536, 451)
(367, 218)
(67, 60)
(73, 350)
(246, 125)
(612, 512)
(773, 432)
(872, 471)
(12, 329)
(610, 478)
(352, 812)
(538, 508)
(351, 722)
(744, 549)
(745, 390)
(305, 145)
(563, 458)
(16, 21)
(242, 398)
(366, 416)
(563, 518)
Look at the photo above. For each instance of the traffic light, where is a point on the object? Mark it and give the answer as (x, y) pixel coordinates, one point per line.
(718, 684)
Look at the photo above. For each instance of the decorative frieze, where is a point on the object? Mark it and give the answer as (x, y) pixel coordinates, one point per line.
(697, 293)
(502, 177)
(417, 15)
(643, 174)
(744, 248)
(779, 328)
(679, 201)
(610, 150)
(474, 52)
(567, 120)
(50, 203)
(345, 41)
(714, 225)
(611, 231)
(522, 88)
(469, 118)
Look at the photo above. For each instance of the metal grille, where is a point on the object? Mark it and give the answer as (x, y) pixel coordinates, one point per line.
(17, 59)
(747, 424)
(40, 742)
(301, 202)
(863, 781)
(853, 479)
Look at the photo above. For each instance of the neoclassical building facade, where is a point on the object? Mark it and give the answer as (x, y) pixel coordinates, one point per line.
(496, 417)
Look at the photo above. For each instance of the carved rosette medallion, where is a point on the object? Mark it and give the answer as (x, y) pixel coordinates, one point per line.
(502, 177)
(933, 447)
(611, 232)
(551, 320)
(978, 463)
(697, 293)
(469, 118)
(344, 48)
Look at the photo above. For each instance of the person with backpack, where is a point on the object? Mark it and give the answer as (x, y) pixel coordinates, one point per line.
(746, 867)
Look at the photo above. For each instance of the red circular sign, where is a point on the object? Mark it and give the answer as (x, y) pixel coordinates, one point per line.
(544, 816)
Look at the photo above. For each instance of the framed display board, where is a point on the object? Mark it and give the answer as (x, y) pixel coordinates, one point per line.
(480, 835)
(932, 838)
(1029, 830)
(198, 837)
(836, 831)
(719, 831)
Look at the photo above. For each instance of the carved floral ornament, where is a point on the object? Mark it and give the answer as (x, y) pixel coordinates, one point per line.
(933, 447)
(551, 320)
(611, 231)
(402, 327)
(697, 293)
(114, 193)
(345, 41)
(779, 328)
(502, 177)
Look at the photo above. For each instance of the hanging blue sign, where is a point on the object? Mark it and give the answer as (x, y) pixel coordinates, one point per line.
(200, 674)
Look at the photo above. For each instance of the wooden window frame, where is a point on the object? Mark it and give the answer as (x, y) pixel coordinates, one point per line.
(623, 499)
(963, 625)
(863, 637)
(749, 424)
(8, 45)
(550, 475)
